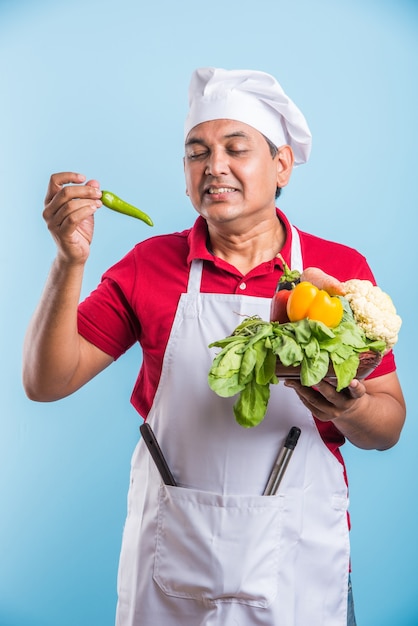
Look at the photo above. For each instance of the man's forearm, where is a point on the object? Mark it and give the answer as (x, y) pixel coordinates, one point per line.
(371, 416)
(376, 421)
(52, 347)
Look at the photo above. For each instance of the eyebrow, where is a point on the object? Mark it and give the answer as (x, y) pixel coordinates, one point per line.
(198, 140)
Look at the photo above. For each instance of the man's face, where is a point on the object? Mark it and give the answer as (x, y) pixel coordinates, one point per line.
(230, 172)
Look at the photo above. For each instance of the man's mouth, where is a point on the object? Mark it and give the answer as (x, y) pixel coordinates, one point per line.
(217, 190)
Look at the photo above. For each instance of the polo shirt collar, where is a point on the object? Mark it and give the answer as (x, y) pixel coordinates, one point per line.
(198, 238)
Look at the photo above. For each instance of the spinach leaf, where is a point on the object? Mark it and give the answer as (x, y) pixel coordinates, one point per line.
(251, 405)
(345, 370)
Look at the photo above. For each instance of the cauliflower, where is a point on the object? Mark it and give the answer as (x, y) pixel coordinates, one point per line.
(373, 310)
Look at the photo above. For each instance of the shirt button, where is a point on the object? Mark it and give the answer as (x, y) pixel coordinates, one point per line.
(243, 286)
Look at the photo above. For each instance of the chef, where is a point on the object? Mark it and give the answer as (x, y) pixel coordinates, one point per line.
(212, 550)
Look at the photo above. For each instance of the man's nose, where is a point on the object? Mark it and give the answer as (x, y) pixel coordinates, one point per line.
(217, 163)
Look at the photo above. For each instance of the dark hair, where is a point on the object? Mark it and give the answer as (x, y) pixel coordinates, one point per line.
(273, 151)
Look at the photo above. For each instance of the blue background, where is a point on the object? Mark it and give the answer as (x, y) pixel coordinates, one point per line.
(101, 88)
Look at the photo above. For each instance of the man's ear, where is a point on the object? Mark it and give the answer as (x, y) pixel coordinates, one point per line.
(285, 161)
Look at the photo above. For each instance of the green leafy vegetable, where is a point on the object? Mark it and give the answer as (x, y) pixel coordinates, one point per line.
(246, 364)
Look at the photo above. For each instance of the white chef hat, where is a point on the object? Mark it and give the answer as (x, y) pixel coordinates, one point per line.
(252, 97)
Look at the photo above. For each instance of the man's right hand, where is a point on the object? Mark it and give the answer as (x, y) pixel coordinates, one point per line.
(56, 359)
(69, 213)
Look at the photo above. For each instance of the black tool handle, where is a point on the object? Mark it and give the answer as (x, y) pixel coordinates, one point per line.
(282, 462)
(292, 438)
(153, 446)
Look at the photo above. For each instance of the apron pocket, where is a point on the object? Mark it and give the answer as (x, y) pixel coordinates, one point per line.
(218, 548)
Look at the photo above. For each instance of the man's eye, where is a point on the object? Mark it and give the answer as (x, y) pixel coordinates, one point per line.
(237, 151)
(194, 156)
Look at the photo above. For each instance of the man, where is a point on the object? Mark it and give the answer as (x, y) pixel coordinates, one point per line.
(213, 550)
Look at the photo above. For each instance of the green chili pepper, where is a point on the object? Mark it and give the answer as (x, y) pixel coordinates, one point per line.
(117, 204)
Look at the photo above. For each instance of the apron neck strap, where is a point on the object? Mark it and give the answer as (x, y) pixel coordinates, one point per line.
(296, 261)
(195, 276)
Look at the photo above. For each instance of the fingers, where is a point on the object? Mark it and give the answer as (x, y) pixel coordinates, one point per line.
(324, 401)
(57, 181)
(66, 186)
(93, 183)
(64, 199)
(69, 209)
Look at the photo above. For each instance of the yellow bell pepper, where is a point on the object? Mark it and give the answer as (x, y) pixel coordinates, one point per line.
(306, 300)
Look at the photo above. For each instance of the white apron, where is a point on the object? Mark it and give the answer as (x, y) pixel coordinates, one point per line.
(213, 551)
